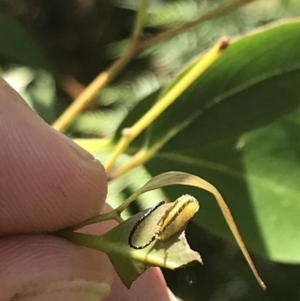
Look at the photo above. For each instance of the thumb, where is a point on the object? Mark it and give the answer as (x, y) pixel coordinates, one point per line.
(46, 268)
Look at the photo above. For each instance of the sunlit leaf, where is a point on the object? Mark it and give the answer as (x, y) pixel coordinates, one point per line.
(172, 253)
(206, 132)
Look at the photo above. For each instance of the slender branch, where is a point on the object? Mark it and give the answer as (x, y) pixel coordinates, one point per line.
(136, 46)
(165, 101)
(137, 160)
(218, 12)
(107, 76)
(139, 21)
(93, 88)
(111, 215)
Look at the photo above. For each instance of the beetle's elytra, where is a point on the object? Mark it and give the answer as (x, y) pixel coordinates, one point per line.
(174, 220)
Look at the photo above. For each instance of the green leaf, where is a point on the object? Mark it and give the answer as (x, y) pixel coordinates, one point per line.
(172, 253)
(270, 157)
(216, 130)
(253, 82)
(183, 178)
(129, 263)
(17, 45)
(259, 178)
(37, 87)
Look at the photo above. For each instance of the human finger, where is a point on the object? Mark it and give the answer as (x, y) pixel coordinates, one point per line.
(47, 181)
(48, 268)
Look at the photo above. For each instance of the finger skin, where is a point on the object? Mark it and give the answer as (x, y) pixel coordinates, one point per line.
(39, 266)
(149, 286)
(47, 181)
(47, 268)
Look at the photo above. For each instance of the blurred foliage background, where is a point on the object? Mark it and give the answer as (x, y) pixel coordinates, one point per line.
(75, 40)
(51, 50)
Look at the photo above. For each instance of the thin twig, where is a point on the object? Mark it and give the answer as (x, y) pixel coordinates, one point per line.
(104, 77)
(165, 101)
(139, 21)
(136, 160)
(218, 12)
(136, 46)
(111, 215)
(92, 89)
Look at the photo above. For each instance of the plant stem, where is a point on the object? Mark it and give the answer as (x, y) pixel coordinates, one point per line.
(218, 12)
(136, 46)
(85, 240)
(106, 76)
(111, 215)
(139, 21)
(92, 89)
(137, 160)
(165, 101)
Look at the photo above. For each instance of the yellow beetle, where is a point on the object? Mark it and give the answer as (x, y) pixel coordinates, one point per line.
(174, 219)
